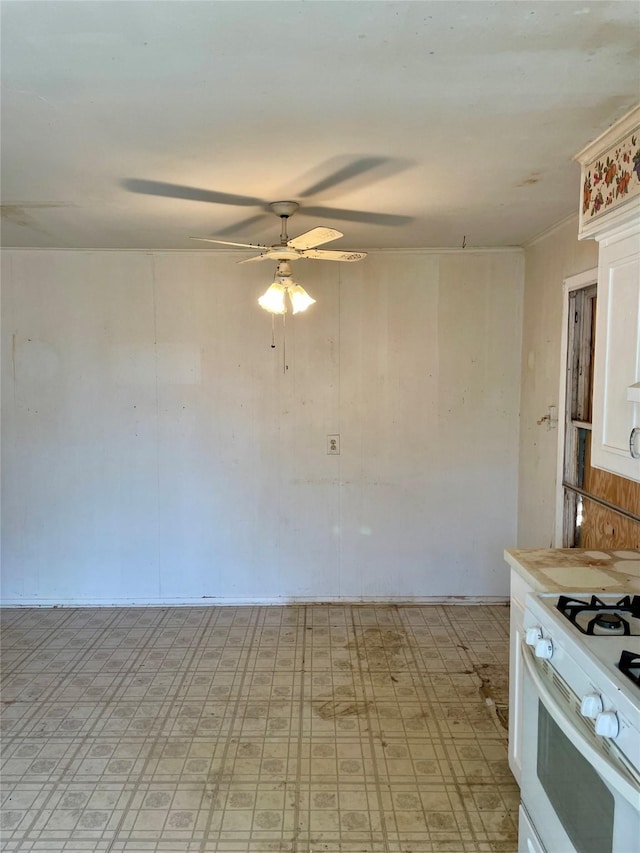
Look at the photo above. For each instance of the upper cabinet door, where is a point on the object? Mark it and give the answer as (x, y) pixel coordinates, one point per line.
(616, 392)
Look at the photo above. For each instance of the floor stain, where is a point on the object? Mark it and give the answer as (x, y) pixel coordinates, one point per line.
(331, 710)
(494, 688)
(376, 647)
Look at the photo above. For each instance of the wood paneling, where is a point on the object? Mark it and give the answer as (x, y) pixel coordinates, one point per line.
(604, 528)
(610, 487)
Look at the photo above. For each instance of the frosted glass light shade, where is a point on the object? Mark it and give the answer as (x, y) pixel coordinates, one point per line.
(300, 299)
(272, 299)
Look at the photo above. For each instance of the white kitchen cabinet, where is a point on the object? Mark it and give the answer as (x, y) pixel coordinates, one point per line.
(616, 391)
(610, 213)
(519, 590)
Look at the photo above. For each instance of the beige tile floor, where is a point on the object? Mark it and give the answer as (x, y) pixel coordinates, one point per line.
(247, 730)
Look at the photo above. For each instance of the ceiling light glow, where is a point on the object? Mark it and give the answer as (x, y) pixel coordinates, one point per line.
(273, 300)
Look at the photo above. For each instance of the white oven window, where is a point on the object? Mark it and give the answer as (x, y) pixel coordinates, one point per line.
(581, 800)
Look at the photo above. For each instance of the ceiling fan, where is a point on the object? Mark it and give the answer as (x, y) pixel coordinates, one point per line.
(287, 250)
(291, 249)
(342, 172)
(304, 245)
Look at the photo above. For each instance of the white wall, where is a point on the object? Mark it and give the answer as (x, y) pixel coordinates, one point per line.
(155, 450)
(548, 261)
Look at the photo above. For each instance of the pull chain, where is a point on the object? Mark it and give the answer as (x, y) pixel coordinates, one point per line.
(273, 331)
(284, 343)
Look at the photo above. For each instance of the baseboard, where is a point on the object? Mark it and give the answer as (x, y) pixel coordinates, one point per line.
(208, 601)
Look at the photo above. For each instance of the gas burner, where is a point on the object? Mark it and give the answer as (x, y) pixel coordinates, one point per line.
(603, 618)
(609, 621)
(630, 665)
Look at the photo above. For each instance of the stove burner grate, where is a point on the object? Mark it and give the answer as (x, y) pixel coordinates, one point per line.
(607, 616)
(630, 665)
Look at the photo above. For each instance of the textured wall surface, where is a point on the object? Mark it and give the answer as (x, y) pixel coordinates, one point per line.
(547, 263)
(156, 448)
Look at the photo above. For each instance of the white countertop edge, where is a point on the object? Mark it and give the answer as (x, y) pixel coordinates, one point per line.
(540, 578)
(525, 574)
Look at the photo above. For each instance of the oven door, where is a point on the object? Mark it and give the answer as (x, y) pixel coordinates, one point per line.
(579, 795)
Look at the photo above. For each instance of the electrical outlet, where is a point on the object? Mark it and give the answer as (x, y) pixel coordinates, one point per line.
(333, 445)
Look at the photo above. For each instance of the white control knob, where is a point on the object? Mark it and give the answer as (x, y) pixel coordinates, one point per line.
(532, 636)
(591, 705)
(544, 649)
(607, 724)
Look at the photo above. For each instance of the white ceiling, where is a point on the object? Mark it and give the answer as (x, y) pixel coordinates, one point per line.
(462, 117)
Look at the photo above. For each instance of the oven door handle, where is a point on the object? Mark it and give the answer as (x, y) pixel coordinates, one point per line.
(629, 788)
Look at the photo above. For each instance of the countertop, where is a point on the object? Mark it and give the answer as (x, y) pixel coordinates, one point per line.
(577, 569)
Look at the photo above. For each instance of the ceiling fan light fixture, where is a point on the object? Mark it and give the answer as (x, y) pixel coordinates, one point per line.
(272, 300)
(300, 299)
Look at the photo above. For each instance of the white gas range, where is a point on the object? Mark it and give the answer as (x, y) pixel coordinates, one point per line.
(581, 724)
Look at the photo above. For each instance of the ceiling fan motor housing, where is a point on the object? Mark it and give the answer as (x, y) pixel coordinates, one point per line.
(284, 208)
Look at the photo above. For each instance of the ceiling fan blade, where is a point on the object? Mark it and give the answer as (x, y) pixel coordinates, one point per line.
(137, 185)
(346, 173)
(255, 258)
(390, 219)
(322, 255)
(227, 243)
(315, 237)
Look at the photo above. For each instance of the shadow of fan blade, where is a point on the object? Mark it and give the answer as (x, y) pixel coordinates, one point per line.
(159, 188)
(346, 173)
(246, 223)
(389, 219)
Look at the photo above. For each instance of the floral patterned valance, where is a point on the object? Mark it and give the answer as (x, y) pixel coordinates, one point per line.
(612, 178)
